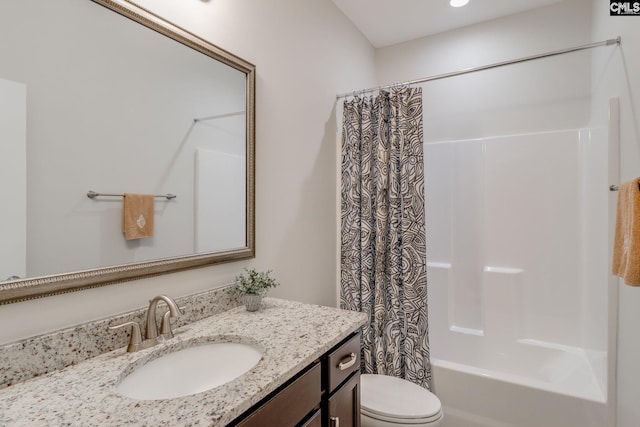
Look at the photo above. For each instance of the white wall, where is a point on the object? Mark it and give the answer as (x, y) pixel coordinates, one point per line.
(13, 178)
(615, 74)
(547, 94)
(305, 53)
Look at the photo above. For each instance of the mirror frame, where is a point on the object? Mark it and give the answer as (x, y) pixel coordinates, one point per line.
(37, 287)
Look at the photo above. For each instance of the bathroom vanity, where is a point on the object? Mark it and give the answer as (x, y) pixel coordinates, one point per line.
(308, 375)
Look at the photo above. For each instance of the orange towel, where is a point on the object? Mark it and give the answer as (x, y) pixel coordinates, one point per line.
(137, 215)
(626, 242)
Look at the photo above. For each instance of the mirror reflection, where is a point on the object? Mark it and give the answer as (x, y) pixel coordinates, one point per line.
(92, 101)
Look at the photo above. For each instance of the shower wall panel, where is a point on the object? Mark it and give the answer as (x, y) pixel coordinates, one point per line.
(510, 230)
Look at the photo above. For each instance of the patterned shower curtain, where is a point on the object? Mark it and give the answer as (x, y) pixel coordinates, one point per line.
(383, 246)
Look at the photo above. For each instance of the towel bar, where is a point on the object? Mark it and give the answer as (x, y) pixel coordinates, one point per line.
(615, 187)
(92, 194)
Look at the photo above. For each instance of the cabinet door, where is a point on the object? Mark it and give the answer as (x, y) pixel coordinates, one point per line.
(315, 420)
(344, 404)
(290, 405)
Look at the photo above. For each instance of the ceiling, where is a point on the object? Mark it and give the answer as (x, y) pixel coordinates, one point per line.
(387, 22)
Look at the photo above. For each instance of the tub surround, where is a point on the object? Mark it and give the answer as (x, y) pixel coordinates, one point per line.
(34, 356)
(290, 335)
(507, 314)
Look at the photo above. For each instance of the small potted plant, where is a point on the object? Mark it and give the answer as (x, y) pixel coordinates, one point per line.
(252, 286)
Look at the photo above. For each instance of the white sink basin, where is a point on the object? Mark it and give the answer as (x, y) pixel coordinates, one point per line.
(189, 371)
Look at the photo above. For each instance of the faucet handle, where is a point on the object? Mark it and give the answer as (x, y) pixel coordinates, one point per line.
(135, 342)
(165, 326)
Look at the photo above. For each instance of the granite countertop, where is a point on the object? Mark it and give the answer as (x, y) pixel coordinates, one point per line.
(291, 335)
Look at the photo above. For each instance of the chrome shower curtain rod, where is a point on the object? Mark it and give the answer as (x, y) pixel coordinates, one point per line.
(609, 42)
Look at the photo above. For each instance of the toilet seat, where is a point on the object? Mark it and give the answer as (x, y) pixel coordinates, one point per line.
(398, 401)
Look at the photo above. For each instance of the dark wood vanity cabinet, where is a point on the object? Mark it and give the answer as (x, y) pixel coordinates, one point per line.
(325, 394)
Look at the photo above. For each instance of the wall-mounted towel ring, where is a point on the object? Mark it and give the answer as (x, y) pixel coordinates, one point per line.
(92, 195)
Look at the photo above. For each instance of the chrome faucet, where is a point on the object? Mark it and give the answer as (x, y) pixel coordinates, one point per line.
(151, 333)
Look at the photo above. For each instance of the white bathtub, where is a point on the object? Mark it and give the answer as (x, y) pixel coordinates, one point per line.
(565, 370)
(473, 397)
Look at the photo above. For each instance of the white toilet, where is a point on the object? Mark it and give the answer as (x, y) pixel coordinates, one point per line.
(391, 402)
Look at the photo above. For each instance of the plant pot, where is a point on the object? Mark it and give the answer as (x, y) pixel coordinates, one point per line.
(252, 302)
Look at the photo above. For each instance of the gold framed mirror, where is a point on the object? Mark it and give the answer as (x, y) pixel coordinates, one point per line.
(57, 212)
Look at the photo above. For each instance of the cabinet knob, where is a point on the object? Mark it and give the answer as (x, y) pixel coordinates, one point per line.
(347, 362)
(334, 421)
